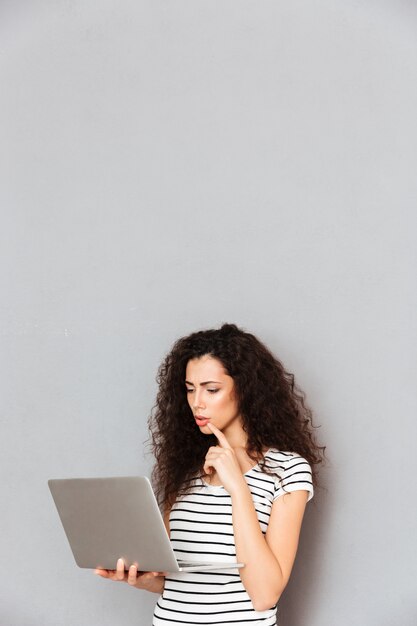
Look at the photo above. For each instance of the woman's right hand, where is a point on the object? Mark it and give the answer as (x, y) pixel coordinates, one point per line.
(149, 581)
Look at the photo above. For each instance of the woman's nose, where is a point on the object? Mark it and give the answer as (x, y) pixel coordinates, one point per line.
(198, 403)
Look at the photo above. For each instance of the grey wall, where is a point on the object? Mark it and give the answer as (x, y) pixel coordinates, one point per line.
(165, 167)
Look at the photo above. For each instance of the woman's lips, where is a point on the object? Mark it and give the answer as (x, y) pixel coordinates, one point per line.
(201, 421)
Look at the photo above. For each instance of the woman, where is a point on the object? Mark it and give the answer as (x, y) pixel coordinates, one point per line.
(235, 467)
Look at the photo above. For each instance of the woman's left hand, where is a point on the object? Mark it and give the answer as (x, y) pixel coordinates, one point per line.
(223, 459)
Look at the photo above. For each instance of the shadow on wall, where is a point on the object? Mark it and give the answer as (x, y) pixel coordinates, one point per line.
(297, 601)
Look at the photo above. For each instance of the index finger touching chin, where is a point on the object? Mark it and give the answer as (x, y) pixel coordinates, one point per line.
(220, 436)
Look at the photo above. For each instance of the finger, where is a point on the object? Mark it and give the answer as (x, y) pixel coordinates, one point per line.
(120, 570)
(213, 450)
(102, 572)
(132, 576)
(209, 464)
(213, 453)
(221, 438)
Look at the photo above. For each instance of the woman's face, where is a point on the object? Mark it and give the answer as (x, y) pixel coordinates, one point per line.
(211, 396)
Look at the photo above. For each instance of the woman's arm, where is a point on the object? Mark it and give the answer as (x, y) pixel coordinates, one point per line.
(268, 559)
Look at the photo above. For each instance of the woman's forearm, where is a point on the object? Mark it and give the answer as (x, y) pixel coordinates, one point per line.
(262, 575)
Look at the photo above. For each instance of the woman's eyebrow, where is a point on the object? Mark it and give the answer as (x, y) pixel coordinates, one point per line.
(187, 382)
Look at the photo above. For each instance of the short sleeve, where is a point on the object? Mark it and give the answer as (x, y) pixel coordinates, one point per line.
(295, 473)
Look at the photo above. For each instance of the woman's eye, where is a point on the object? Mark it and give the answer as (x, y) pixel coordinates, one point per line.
(209, 390)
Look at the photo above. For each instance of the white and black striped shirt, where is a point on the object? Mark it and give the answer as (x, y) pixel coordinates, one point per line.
(201, 529)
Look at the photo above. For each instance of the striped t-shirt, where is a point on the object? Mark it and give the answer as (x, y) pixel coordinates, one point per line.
(201, 529)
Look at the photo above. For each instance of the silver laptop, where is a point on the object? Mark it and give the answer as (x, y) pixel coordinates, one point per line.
(108, 518)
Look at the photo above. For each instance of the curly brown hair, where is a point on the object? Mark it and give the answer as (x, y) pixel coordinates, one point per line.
(272, 407)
